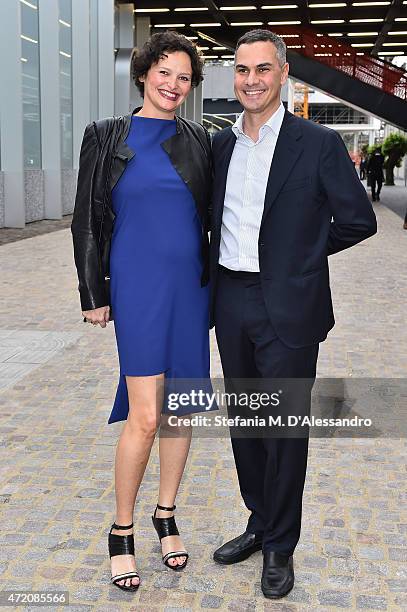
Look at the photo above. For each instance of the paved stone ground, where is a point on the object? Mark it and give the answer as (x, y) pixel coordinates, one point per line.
(57, 451)
(394, 197)
(36, 228)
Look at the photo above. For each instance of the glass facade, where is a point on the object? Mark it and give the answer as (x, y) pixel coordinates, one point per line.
(41, 122)
(65, 81)
(30, 67)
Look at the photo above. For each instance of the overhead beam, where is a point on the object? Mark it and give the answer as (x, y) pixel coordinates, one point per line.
(347, 16)
(303, 12)
(220, 41)
(215, 12)
(393, 12)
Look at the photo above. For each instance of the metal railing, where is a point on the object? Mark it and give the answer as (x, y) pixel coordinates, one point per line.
(343, 57)
(332, 114)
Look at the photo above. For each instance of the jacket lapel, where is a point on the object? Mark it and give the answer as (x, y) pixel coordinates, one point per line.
(176, 147)
(184, 146)
(121, 152)
(221, 165)
(287, 151)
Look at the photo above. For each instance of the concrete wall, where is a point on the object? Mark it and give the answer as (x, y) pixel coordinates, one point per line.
(218, 82)
(48, 191)
(34, 195)
(68, 190)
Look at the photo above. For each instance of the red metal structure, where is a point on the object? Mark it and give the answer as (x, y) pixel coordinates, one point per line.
(343, 57)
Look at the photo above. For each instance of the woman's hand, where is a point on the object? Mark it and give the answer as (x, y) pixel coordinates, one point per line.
(98, 316)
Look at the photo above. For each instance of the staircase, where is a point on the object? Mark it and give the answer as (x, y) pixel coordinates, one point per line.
(362, 81)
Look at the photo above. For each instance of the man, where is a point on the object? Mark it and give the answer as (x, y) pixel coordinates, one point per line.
(374, 168)
(279, 181)
(362, 168)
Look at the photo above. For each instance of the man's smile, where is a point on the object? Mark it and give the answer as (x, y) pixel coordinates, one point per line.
(254, 92)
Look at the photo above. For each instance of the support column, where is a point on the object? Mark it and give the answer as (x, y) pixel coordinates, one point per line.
(198, 103)
(123, 94)
(290, 95)
(142, 27)
(50, 107)
(11, 113)
(190, 106)
(355, 142)
(142, 34)
(181, 111)
(94, 63)
(80, 73)
(105, 23)
(126, 25)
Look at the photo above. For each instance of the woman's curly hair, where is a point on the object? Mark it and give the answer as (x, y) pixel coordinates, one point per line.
(161, 44)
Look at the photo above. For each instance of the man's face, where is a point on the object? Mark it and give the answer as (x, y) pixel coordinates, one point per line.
(258, 76)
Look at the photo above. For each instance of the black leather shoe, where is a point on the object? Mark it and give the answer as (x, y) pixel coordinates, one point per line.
(238, 549)
(278, 575)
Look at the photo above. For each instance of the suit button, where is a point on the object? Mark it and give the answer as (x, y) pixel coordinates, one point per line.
(262, 244)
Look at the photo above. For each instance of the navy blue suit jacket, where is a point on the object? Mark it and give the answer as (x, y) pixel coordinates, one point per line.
(315, 205)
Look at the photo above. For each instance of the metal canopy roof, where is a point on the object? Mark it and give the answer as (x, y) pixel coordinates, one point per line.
(377, 27)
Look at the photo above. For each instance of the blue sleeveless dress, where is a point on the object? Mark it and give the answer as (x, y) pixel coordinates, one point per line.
(161, 312)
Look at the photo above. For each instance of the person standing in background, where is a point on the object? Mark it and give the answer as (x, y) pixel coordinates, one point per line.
(374, 168)
(362, 168)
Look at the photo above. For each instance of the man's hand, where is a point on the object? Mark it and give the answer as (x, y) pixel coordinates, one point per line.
(98, 316)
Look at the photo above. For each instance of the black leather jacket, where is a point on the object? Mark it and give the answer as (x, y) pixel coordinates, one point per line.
(103, 159)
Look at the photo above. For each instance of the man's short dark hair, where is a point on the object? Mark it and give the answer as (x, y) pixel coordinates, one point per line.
(159, 45)
(265, 36)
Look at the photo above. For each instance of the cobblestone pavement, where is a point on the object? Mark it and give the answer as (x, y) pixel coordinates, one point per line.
(57, 451)
(394, 197)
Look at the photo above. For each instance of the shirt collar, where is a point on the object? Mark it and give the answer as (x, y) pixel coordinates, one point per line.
(273, 123)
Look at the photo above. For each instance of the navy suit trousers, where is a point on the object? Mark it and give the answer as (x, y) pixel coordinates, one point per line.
(271, 471)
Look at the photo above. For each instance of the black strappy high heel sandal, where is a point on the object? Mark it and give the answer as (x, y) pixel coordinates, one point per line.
(122, 545)
(167, 527)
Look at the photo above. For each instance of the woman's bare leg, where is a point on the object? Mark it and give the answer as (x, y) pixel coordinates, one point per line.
(132, 454)
(174, 447)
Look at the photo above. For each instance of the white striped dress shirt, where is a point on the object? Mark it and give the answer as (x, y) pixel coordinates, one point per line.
(246, 185)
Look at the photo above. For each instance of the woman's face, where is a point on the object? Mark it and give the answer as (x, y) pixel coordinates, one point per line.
(167, 83)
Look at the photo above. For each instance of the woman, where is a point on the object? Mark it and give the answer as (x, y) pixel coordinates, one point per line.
(143, 191)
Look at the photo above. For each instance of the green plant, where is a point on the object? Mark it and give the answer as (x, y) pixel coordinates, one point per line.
(394, 148)
(365, 150)
(373, 148)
